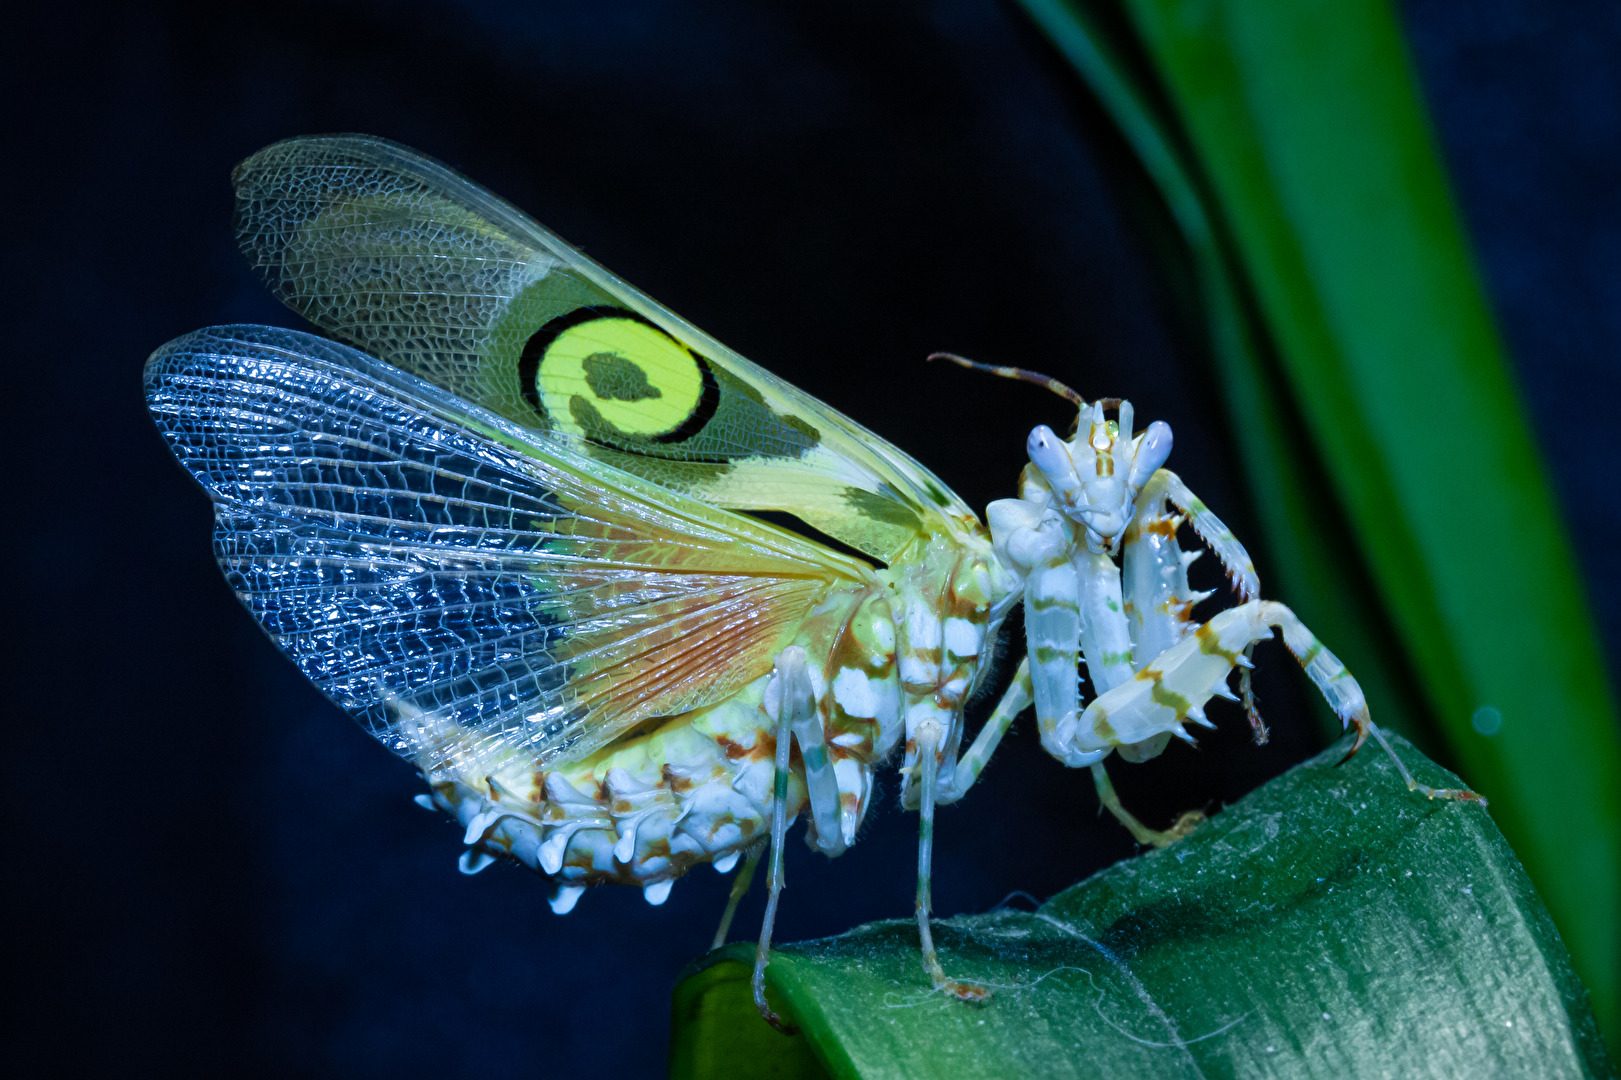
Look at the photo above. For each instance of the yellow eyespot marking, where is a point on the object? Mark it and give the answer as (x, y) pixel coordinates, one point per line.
(611, 373)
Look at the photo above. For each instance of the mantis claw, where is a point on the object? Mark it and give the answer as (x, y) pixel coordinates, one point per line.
(1363, 724)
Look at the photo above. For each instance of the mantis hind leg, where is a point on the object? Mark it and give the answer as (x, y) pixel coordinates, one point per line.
(740, 888)
(928, 764)
(790, 699)
(1185, 824)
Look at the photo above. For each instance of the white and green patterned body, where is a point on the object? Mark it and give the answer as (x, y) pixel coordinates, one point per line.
(513, 538)
(699, 787)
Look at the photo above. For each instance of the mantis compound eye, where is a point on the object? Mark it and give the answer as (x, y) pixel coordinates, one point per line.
(1152, 450)
(1050, 456)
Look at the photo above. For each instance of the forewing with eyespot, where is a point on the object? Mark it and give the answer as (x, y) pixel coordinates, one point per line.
(462, 588)
(420, 267)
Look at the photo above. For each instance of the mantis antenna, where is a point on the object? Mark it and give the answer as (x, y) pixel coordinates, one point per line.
(1024, 375)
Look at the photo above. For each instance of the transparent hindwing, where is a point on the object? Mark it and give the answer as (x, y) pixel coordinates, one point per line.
(463, 588)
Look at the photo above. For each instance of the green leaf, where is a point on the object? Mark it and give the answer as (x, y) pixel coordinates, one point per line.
(1328, 924)
(1288, 143)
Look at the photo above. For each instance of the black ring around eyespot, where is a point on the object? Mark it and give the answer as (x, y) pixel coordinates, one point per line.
(703, 412)
(534, 351)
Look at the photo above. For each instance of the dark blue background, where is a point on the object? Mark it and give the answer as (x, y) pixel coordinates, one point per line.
(212, 871)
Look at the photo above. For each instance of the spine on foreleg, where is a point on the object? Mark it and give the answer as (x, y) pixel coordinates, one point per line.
(1154, 569)
(1172, 690)
(1237, 562)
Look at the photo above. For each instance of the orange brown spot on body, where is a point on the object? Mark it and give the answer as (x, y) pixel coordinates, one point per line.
(967, 607)
(674, 780)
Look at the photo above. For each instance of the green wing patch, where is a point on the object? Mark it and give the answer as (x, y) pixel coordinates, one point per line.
(425, 270)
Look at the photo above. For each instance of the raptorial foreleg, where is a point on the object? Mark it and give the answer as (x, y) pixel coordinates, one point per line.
(1014, 701)
(1172, 690)
(1052, 628)
(1235, 560)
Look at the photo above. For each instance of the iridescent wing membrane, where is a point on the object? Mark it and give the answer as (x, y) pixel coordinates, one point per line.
(462, 587)
(429, 272)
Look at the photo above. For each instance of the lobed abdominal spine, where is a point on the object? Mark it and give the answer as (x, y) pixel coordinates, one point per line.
(641, 812)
